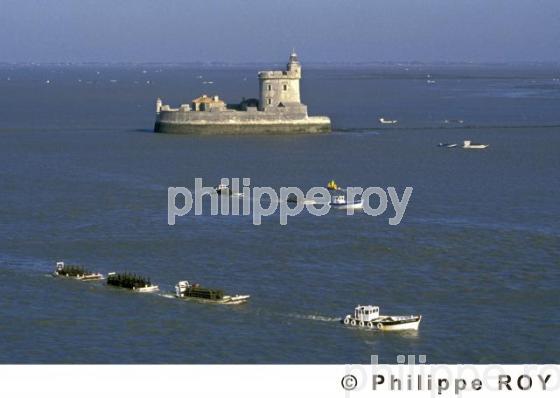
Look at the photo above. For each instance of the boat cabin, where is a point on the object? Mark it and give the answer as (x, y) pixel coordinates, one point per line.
(181, 288)
(339, 199)
(366, 313)
(59, 266)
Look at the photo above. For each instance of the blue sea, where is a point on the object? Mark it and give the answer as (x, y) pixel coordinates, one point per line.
(83, 179)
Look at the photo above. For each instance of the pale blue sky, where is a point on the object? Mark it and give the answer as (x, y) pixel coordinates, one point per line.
(265, 30)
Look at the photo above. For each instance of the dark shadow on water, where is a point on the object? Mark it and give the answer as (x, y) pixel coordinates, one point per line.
(151, 131)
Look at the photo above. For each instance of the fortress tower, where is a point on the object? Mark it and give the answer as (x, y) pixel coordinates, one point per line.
(280, 88)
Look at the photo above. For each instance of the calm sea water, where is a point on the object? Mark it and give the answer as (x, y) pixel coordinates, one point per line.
(83, 179)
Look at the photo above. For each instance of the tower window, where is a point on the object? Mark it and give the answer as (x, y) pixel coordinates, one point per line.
(285, 87)
(269, 100)
(269, 87)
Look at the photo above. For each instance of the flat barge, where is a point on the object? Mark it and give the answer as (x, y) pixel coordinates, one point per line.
(187, 291)
(134, 282)
(75, 272)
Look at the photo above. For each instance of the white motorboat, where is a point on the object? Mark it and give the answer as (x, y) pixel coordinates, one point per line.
(468, 144)
(223, 189)
(76, 272)
(368, 317)
(339, 202)
(387, 121)
(185, 290)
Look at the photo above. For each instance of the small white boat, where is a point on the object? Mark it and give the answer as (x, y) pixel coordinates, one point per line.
(467, 144)
(431, 81)
(339, 202)
(186, 291)
(223, 189)
(387, 121)
(76, 272)
(368, 317)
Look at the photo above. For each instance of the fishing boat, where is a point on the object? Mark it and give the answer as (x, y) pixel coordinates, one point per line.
(75, 272)
(339, 202)
(446, 145)
(134, 282)
(223, 189)
(368, 317)
(467, 144)
(187, 291)
(387, 121)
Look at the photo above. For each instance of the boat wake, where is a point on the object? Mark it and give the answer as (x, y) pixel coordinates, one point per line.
(319, 318)
(167, 295)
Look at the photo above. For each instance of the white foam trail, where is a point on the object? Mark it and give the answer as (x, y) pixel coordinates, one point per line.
(320, 318)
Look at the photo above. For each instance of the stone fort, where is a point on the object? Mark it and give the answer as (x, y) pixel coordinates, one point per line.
(278, 109)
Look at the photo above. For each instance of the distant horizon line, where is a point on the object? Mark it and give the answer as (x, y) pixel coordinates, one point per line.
(273, 63)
